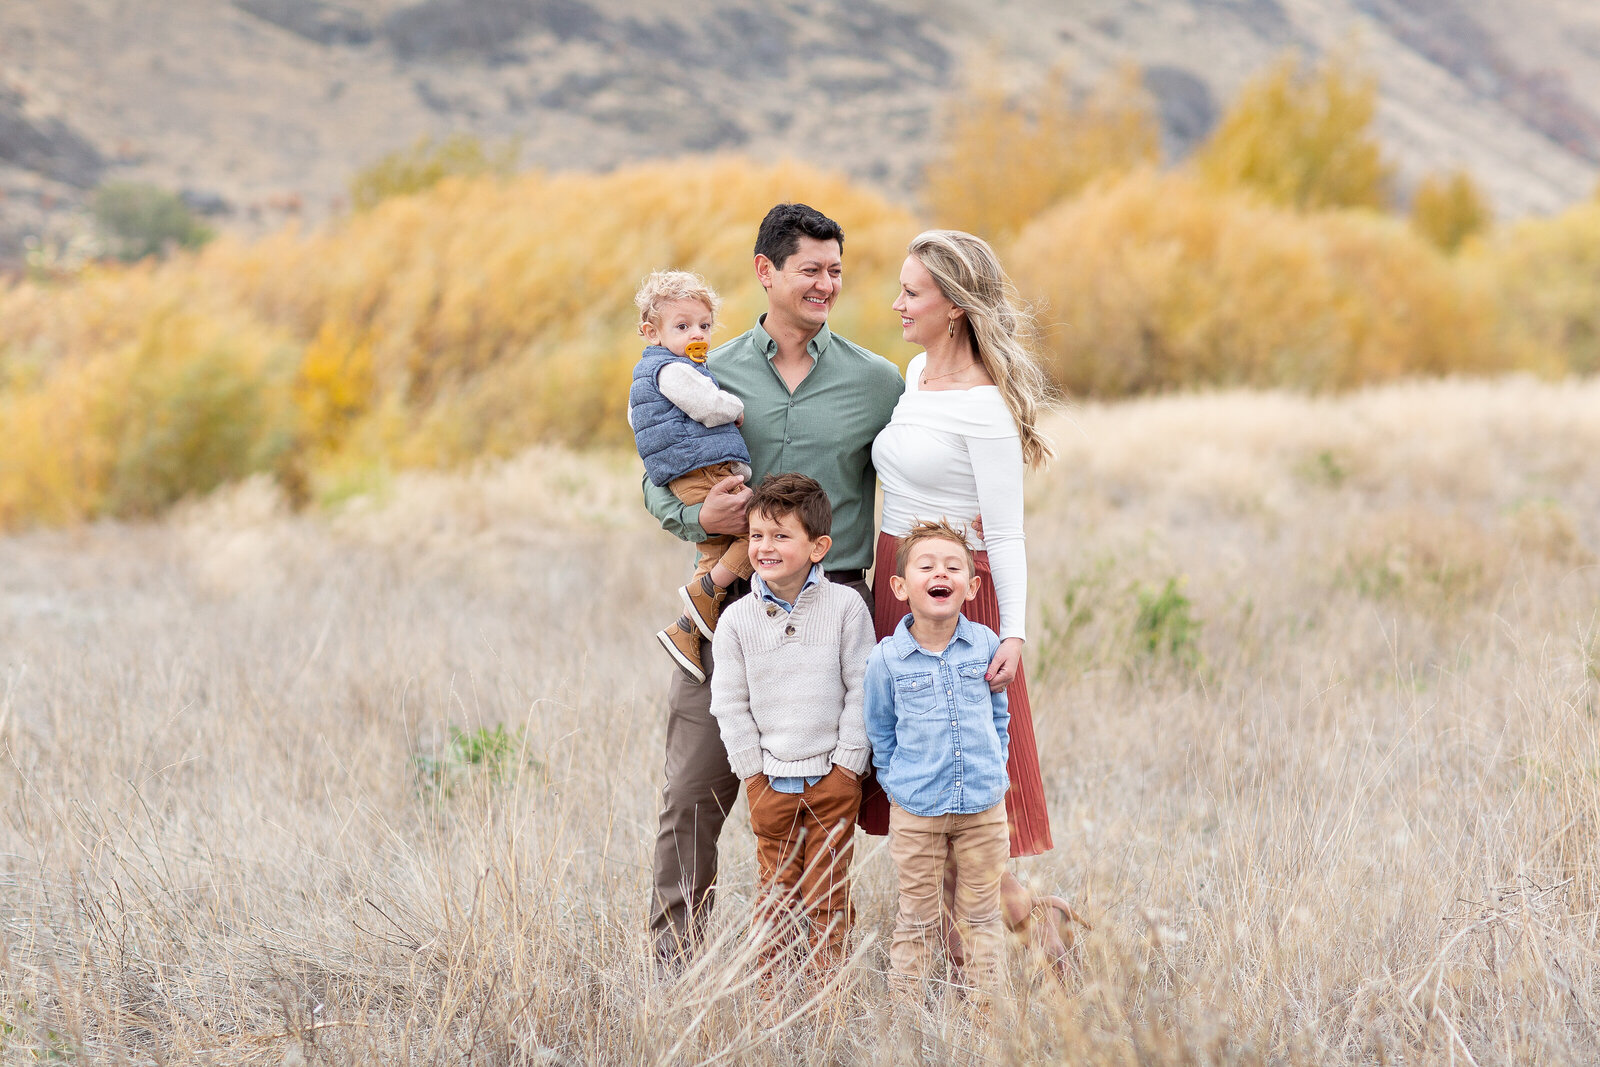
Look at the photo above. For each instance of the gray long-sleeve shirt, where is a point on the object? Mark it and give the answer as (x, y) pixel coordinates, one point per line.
(787, 689)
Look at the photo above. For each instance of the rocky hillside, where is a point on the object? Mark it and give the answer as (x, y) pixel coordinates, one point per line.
(259, 110)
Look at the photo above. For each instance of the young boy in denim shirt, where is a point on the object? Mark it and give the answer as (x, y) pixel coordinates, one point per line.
(939, 740)
(787, 698)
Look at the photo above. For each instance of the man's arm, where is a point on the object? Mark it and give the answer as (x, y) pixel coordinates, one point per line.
(677, 518)
(723, 511)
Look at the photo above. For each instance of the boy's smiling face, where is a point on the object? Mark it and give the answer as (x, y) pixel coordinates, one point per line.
(938, 580)
(676, 324)
(782, 552)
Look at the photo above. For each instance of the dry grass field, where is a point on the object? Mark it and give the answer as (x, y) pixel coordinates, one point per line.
(1316, 684)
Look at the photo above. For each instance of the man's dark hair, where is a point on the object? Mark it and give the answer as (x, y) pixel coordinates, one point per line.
(780, 495)
(785, 224)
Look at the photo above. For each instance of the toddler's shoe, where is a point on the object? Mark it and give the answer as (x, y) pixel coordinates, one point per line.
(703, 599)
(682, 642)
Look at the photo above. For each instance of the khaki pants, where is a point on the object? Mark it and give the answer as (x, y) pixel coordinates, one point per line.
(732, 552)
(699, 791)
(978, 845)
(804, 843)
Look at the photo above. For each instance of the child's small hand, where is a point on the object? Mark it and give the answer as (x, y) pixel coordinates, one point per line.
(738, 420)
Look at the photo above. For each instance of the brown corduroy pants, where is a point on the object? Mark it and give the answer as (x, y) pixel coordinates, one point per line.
(699, 791)
(804, 843)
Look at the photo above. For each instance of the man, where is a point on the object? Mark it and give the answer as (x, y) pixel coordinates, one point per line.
(813, 402)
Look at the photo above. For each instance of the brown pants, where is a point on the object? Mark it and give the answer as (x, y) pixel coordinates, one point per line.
(804, 842)
(699, 791)
(978, 845)
(732, 552)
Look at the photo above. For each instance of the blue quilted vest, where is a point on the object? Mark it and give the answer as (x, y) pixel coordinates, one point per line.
(670, 442)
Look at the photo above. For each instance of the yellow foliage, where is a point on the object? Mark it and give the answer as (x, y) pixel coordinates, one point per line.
(1301, 138)
(1002, 160)
(425, 164)
(1448, 209)
(1156, 283)
(335, 384)
(1547, 274)
(477, 317)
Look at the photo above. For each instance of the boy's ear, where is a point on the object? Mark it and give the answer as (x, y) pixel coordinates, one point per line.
(897, 586)
(972, 586)
(819, 548)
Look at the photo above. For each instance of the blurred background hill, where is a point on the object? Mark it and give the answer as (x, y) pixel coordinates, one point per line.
(258, 111)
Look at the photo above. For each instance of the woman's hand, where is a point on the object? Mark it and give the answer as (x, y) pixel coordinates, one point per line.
(1003, 668)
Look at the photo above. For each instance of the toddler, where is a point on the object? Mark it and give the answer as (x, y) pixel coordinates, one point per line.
(687, 432)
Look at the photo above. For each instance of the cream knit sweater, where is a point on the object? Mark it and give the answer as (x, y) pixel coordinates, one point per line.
(786, 689)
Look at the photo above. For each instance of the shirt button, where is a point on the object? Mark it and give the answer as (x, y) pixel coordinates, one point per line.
(952, 722)
(789, 630)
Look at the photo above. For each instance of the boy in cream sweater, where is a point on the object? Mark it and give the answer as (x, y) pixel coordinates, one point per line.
(787, 698)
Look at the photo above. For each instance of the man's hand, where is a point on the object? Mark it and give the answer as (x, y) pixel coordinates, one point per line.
(723, 510)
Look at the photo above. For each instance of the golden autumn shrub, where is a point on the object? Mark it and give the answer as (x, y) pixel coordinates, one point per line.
(1002, 160)
(474, 318)
(428, 162)
(1449, 208)
(1547, 276)
(1156, 283)
(1301, 138)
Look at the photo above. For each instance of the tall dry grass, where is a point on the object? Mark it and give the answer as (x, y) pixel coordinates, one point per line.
(1342, 809)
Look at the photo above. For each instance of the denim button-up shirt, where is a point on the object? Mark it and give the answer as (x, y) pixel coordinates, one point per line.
(939, 737)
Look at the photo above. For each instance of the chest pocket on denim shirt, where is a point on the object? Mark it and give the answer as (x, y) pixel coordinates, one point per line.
(973, 684)
(914, 692)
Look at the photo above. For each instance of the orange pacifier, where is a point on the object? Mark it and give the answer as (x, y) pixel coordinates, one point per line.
(696, 351)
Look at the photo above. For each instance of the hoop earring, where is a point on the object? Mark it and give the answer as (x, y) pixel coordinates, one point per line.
(952, 330)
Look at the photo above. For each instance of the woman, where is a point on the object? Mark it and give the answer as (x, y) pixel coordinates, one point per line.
(956, 448)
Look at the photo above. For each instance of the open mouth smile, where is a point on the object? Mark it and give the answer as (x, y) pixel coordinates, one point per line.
(940, 591)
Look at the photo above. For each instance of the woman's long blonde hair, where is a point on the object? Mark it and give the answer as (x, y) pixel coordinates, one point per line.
(969, 274)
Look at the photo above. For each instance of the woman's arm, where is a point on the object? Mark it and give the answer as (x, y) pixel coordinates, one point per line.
(997, 470)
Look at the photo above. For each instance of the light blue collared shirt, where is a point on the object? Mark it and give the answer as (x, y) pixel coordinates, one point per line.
(762, 590)
(939, 737)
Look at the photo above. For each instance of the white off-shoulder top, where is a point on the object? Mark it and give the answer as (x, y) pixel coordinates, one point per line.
(955, 454)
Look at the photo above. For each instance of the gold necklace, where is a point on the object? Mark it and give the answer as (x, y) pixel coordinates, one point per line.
(950, 374)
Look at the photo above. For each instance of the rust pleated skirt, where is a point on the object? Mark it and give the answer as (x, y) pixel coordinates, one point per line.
(1025, 808)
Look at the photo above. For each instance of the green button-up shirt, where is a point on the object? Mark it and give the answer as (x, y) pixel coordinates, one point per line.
(823, 429)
